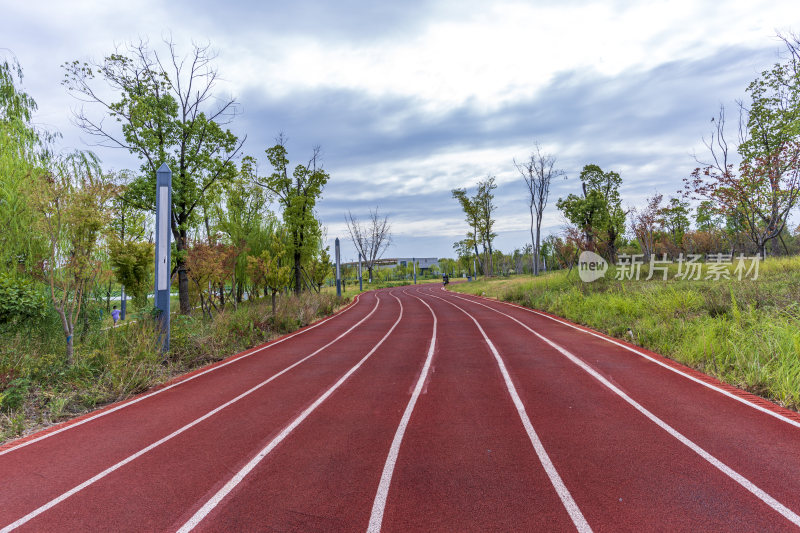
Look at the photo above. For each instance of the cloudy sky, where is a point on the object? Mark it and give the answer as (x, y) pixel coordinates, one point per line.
(411, 99)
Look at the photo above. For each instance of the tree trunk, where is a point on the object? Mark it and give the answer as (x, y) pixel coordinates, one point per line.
(183, 288)
(183, 276)
(369, 270)
(273, 302)
(70, 351)
(535, 251)
(298, 274)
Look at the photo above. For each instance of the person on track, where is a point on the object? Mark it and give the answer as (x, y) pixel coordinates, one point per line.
(445, 279)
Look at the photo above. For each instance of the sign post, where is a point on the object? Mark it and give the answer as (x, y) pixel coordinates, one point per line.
(414, 260)
(360, 276)
(123, 298)
(338, 271)
(163, 237)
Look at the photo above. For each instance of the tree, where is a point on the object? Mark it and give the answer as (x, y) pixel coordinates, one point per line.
(272, 267)
(484, 200)
(73, 203)
(463, 249)
(644, 224)
(297, 194)
(240, 220)
(132, 263)
(707, 217)
(598, 212)
(472, 213)
(674, 220)
(538, 173)
(169, 114)
(765, 187)
(371, 239)
(23, 157)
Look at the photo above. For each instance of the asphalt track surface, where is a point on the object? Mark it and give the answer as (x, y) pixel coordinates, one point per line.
(417, 409)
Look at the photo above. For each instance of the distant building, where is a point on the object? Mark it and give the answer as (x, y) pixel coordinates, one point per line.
(424, 264)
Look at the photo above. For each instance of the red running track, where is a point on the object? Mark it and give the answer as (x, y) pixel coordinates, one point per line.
(417, 409)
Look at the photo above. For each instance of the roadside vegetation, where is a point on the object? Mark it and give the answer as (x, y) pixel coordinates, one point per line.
(38, 387)
(746, 333)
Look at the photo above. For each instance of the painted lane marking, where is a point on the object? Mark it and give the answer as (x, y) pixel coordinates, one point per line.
(379, 504)
(181, 382)
(555, 479)
(722, 467)
(52, 503)
(236, 479)
(779, 416)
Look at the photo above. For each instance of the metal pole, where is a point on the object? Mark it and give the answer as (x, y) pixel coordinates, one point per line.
(360, 275)
(123, 298)
(338, 271)
(414, 260)
(163, 236)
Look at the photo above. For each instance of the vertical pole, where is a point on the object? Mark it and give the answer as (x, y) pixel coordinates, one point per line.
(360, 275)
(123, 297)
(338, 271)
(474, 269)
(163, 236)
(414, 260)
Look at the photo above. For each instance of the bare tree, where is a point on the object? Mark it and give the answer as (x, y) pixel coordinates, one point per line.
(538, 171)
(370, 239)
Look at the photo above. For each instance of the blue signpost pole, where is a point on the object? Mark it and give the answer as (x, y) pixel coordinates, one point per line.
(360, 275)
(163, 251)
(414, 260)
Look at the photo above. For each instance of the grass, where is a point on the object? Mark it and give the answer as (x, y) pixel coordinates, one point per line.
(746, 333)
(38, 388)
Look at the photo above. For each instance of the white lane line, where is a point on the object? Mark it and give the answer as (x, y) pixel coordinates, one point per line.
(190, 378)
(52, 503)
(722, 467)
(558, 484)
(379, 504)
(236, 479)
(779, 416)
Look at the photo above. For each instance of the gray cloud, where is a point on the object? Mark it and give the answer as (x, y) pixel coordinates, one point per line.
(644, 124)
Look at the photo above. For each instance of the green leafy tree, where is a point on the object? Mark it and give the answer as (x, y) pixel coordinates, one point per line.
(598, 211)
(297, 194)
(73, 203)
(132, 263)
(674, 220)
(241, 219)
(168, 113)
(472, 213)
(22, 157)
(272, 267)
(765, 187)
(485, 202)
(479, 211)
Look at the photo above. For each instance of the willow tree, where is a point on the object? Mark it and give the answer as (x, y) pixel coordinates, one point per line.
(169, 113)
(22, 152)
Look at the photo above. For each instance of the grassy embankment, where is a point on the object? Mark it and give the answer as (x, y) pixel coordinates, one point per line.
(38, 388)
(746, 333)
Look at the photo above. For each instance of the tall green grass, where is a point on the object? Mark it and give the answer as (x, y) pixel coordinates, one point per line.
(746, 333)
(38, 388)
